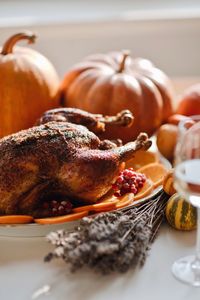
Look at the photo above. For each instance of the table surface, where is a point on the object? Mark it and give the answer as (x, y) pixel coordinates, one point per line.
(23, 271)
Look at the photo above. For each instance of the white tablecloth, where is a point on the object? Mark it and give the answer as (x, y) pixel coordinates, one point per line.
(22, 272)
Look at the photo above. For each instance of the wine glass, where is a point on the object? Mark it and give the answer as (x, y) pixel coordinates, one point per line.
(187, 183)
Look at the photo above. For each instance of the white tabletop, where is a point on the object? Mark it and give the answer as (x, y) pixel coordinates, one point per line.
(23, 272)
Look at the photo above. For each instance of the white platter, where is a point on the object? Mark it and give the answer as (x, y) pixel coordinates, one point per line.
(39, 230)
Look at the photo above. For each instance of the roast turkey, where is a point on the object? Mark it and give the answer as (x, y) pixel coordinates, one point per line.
(61, 159)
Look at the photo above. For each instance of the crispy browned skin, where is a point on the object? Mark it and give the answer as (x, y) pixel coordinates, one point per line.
(94, 122)
(61, 158)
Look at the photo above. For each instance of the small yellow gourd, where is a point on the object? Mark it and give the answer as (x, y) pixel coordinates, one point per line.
(168, 183)
(181, 214)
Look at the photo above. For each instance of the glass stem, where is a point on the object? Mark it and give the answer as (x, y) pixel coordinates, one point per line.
(196, 263)
(198, 236)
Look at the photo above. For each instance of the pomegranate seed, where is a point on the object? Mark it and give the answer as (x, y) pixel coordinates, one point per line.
(61, 209)
(133, 176)
(134, 190)
(66, 204)
(120, 179)
(115, 187)
(133, 180)
(54, 211)
(123, 192)
(125, 172)
(131, 173)
(126, 186)
(130, 181)
(117, 194)
(54, 204)
(140, 184)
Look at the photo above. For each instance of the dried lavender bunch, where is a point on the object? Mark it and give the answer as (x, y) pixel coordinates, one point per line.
(112, 241)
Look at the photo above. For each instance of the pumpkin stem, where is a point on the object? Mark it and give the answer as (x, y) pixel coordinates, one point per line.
(125, 54)
(9, 44)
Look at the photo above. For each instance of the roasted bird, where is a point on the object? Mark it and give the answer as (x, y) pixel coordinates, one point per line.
(58, 159)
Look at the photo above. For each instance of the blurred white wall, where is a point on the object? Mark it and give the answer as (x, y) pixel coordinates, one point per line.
(168, 35)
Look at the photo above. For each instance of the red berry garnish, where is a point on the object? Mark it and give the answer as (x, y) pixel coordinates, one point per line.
(128, 181)
(57, 208)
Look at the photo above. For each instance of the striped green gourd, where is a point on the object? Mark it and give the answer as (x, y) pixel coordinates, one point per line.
(180, 214)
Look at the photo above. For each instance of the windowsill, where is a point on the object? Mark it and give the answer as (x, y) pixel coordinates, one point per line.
(20, 12)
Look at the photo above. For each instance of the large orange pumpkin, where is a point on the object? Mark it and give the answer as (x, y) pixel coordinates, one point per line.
(109, 83)
(28, 85)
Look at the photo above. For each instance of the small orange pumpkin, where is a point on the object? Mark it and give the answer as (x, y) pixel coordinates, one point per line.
(189, 102)
(168, 183)
(28, 85)
(109, 83)
(166, 140)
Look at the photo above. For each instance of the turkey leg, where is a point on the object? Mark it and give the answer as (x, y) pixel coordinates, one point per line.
(96, 170)
(94, 122)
